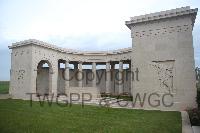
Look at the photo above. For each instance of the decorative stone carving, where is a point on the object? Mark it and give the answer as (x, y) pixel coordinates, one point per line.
(21, 74)
(165, 74)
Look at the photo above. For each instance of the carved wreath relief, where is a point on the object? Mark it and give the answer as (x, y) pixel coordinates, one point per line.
(165, 74)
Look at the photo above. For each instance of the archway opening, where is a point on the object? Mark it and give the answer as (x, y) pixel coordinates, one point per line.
(43, 80)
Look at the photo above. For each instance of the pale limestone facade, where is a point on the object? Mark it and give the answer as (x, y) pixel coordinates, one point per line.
(162, 55)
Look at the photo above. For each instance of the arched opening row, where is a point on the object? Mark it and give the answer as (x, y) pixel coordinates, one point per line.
(107, 77)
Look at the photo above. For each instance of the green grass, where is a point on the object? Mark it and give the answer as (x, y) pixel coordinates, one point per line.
(4, 87)
(19, 117)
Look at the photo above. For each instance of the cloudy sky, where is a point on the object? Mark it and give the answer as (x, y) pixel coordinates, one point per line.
(78, 24)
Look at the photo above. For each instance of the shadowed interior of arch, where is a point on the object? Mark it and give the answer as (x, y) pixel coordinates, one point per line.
(44, 69)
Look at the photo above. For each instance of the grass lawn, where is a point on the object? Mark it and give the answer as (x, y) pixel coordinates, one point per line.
(4, 87)
(19, 117)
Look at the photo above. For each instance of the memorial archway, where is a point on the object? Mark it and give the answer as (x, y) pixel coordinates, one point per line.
(43, 80)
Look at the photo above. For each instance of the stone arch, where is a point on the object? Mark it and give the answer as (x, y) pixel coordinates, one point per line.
(43, 78)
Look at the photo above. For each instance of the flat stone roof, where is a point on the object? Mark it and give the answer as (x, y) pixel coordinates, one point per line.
(161, 15)
(65, 50)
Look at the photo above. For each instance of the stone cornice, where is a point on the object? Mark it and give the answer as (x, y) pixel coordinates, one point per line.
(162, 15)
(69, 51)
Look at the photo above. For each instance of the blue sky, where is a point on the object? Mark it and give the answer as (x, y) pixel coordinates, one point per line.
(78, 24)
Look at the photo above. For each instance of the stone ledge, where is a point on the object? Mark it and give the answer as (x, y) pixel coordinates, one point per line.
(68, 51)
(161, 15)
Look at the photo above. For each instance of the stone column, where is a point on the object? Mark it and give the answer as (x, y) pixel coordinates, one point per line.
(53, 79)
(130, 69)
(94, 74)
(74, 72)
(120, 77)
(32, 84)
(112, 71)
(112, 86)
(108, 77)
(33, 80)
(80, 82)
(66, 76)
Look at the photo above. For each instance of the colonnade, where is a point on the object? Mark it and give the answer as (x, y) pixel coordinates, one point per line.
(109, 66)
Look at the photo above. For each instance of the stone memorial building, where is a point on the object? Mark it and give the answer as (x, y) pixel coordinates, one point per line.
(159, 65)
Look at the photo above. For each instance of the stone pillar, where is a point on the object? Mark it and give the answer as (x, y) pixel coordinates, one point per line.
(33, 80)
(112, 86)
(112, 71)
(94, 74)
(53, 80)
(130, 69)
(108, 77)
(120, 77)
(80, 81)
(75, 71)
(66, 76)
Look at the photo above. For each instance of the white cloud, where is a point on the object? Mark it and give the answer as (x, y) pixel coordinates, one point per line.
(65, 20)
